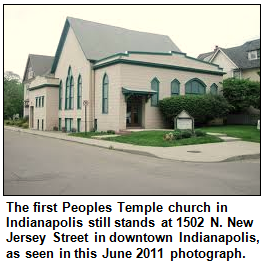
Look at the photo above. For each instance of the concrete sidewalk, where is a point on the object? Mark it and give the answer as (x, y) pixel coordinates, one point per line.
(211, 152)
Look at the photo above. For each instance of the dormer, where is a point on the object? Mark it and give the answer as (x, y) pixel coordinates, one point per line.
(253, 55)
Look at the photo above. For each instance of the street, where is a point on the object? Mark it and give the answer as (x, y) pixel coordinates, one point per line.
(35, 165)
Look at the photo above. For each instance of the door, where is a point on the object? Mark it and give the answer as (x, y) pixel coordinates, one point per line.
(32, 116)
(134, 111)
(42, 124)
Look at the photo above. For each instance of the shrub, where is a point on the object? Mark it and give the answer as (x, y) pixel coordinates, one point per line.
(169, 136)
(63, 129)
(8, 122)
(25, 125)
(241, 93)
(186, 134)
(177, 134)
(202, 108)
(19, 123)
(55, 128)
(73, 130)
(25, 118)
(199, 133)
(110, 131)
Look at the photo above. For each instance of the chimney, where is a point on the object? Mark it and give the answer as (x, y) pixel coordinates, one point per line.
(216, 47)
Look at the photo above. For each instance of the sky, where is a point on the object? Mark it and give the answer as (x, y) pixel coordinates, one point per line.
(195, 29)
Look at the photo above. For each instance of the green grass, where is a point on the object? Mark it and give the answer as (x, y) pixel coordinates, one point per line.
(247, 133)
(88, 134)
(155, 139)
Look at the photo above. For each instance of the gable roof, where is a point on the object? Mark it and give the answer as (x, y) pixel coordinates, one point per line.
(239, 54)
(99, 40)
(41, 64)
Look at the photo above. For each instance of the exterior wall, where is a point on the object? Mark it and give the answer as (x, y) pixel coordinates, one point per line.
(26, 97)
(139, 78)
(52, 100)
(221, 60)
(116, 103)
(174, 59)
(251, 74)
(39, 112)
(72, 55)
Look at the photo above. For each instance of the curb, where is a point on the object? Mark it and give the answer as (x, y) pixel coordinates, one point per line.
(143, 153)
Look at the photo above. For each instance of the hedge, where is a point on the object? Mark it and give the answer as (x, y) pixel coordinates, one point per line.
(202, 108)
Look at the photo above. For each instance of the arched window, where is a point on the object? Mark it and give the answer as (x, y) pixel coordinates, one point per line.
(71, 93)
(67, 93)
(175, 87)
(105, 94)
(60, 96)
(79, 93)
(214, 89)
(155, 87)
(195, 86)
(69, 90)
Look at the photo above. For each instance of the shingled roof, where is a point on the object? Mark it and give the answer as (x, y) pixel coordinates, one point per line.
(41, 64)
(239, 54)
(99, 40)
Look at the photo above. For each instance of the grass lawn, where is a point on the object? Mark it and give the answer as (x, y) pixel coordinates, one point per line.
(88, 134)
(247, 133)
(155, 139)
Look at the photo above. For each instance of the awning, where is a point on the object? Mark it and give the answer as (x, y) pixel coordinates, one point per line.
(130, 92)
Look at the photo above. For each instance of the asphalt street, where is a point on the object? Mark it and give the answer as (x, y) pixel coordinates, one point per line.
(35, 165)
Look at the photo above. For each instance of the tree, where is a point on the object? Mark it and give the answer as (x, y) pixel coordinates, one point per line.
(13, 95)
(242, 93)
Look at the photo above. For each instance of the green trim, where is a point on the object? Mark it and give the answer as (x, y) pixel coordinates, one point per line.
(129, 92)
(104, 109)
(157, 65)
(157, 91)
(60, 46)
(43, 86)
(158, 53)
(214, 86)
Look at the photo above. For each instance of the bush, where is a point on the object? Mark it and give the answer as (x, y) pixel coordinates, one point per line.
(110, 131)
(73, 130)
(169, 136)
(8, 122)
(25, 125)
(199, 133)
(186, 134)
(63, 129)
(55, 128)
(241, 93)
(25, 119)
(202, 108)
(19, 123)
(177, 134)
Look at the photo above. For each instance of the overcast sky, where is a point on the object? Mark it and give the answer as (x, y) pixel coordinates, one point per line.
(194, 29)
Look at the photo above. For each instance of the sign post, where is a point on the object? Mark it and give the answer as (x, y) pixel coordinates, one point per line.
(85, 103)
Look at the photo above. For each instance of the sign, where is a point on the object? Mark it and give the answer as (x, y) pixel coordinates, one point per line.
(184, 121)
(85, 102)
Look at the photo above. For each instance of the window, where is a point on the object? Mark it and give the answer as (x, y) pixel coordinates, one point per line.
(214, 89)
(79, 93)
(236, 74)
(42, 101)
(78, 124)
(68, 124)
(60, 96)
(253, 55)
(59, 123)
(39, 103)
(71, 93)
(155, 87)
(69, 90)
(30, 73)
(105, 94)
(175, 87)
(36, 102)
(195, 86)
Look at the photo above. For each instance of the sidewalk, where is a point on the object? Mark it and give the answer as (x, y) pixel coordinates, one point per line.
(211, 152)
